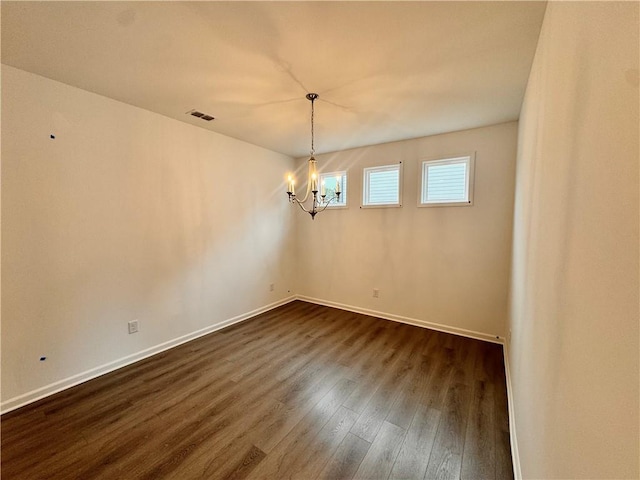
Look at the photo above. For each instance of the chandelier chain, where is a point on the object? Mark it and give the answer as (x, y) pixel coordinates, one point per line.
(312, 130)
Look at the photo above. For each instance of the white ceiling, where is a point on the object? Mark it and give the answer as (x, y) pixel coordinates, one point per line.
(385, 71)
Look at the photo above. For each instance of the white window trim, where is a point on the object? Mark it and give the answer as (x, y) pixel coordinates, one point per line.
(365, 186)
(343, 173)
(470, 158)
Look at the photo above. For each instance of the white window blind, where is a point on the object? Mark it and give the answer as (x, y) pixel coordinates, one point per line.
(382, 185)
(446, 181)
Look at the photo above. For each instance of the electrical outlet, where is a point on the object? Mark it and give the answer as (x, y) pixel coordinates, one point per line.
(376, 293)
(272, 287)
(133, 326)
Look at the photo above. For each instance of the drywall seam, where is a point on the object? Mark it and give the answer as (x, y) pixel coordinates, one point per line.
(47, 390)
(515, 454)
(411, 321)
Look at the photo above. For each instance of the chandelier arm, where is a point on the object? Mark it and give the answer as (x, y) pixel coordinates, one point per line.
(316, 207)
(327, 203)
(301, 205)
(323, 208)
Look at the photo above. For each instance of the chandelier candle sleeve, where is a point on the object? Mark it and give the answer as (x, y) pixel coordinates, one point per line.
(290, 185)
(338, 187)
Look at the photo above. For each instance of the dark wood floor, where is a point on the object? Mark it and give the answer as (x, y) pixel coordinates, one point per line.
(302, 391)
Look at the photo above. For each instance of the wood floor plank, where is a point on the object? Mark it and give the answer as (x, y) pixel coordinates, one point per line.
(324, 445)
(371, 375)
(445, 460)
(478, 460)
(379, 460)
(237, 460)
(295, 444)
(439, 380)
(217, 423)
(286, 394)
(377, 409)
(346, 460)
(413, 457)
(240, 469)
(270, 359)
(411, 394)
(344, 463)
(209, 449)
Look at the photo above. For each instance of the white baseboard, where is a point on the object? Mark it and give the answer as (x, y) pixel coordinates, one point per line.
(515, 454)
(411, 321)
(42, 392)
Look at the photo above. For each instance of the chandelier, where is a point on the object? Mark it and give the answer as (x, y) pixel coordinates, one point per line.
(319, 204)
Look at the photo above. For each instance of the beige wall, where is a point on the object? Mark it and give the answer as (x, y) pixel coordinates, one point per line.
(130, 215)
(125, 215)
(444, 265)
(574, 301)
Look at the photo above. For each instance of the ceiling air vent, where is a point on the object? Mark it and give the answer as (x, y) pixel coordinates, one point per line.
(201, 115)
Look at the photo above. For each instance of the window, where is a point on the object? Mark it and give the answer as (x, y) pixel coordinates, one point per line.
(382, 186)
(447, 182)
(330, 181)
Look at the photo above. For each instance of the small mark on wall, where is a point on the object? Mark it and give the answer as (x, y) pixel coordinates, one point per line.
(42, 359)
(126, 18)
(52, 136)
